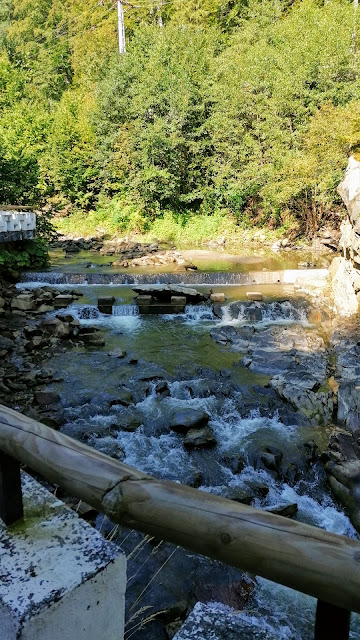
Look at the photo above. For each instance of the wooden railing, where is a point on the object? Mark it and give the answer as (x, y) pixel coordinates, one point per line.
(305, 558)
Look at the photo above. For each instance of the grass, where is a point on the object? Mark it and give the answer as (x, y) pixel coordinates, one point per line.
(177, 229)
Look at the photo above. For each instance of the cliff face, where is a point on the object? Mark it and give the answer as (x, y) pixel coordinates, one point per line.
(345, 270)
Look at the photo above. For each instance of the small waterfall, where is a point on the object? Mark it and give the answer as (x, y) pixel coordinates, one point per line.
(263, 313)
(197, 313)
(195, 277)
(125, 310)
(85, 312)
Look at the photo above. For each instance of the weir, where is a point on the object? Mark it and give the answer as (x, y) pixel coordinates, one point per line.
(294, 554)
(287, 276)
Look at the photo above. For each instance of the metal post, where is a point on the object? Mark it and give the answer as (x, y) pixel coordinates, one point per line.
(331, 622)
(121, 27)
(11, 504)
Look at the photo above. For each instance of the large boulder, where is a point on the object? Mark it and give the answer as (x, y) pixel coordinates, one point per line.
(165, 292)
(202, 437)
(23, 302)
(343, 470)
(182, 420)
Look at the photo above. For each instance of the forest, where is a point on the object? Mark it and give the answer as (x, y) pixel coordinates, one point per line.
(220, 111)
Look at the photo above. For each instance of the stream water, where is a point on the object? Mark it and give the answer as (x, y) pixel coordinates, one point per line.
(200, 374)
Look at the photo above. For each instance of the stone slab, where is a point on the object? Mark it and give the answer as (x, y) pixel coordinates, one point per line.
(218, 622)
(160, 308)
(60, 579)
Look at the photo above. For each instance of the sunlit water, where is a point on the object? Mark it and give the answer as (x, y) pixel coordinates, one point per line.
(181, 347)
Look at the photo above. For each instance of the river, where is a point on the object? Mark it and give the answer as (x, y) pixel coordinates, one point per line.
(200, 373)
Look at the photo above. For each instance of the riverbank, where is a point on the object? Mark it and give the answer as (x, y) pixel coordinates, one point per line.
(217, 230)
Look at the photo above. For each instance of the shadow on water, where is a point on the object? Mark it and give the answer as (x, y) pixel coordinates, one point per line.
(246, 416)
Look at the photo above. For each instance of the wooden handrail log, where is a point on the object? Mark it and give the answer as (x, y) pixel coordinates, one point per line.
(321, 564)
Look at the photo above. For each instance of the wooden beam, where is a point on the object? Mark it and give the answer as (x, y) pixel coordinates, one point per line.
(297, 555)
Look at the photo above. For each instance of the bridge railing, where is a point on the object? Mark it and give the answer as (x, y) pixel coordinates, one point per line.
(321, 564)
(16, 224)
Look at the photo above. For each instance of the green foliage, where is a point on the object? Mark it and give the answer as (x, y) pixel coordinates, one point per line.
(245, 108)
(24, 255)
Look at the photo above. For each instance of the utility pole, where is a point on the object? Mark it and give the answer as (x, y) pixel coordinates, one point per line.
(121, 27)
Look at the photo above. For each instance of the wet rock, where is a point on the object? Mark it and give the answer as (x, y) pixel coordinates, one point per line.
(56, 328)
(117, 353)
(235, 462)
(124, 397)
(46, 397)
(311, 452)
(6, 344)
(271, 458)
(62, 300)
(286, 510)
(109, 446)
(165, 292)
(201, 437)
(162, 389)
(93, 338)
(184, 419)
(343, 471)
(244, 495)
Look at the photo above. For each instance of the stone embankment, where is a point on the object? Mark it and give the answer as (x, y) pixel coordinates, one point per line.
(127, 252)
(27, 339)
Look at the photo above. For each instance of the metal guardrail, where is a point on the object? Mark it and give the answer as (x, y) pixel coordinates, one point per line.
(321, 564)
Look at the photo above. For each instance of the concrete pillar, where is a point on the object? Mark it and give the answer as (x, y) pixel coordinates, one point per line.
(59, 579)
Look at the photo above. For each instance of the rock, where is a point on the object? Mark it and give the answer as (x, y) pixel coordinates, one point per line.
(164, 292)
(23, 302)
(47, 397)
(62, 300)
(271, 458)
(162, 389)
(235, 462)
(56, 328)
(211, 621)
(184, 419)
(93, 339)
(2, 302)
(45, 308)
(201, 437)
(287, 510)
(124, 397)
(109, 446)
(117, 353)
(343, 471)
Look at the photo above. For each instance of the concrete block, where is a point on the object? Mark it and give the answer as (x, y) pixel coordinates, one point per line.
(254, 295)
(105, 304)
(144, 300)
(60, 580)
(178, 300)
(217, 297)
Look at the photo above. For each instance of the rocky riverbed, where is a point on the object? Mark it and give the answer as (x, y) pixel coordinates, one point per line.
(240, 399)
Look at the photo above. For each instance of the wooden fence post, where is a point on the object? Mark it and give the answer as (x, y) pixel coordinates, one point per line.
(11, 504)
(331, 622)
